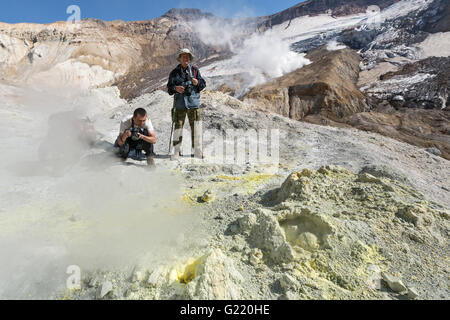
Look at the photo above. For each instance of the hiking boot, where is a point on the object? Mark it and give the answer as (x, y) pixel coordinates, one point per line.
(176, 154)
(175, 157)
(198, 154)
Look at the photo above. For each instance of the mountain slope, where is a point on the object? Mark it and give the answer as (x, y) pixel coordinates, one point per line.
(315, 7)
(404, 70)
(94, 52)
(326, 87)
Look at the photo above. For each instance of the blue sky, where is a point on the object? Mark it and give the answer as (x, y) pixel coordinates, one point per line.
(46, 11)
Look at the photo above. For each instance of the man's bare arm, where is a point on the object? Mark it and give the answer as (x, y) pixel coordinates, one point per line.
(123, 137)
(150, 139)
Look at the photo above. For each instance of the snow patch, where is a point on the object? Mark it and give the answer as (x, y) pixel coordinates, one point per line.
(334, 45)
(403, 8)
(436, 45)
(396, 85)
(407, 80)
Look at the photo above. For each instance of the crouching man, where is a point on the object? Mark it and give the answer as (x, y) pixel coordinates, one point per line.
(136, 136)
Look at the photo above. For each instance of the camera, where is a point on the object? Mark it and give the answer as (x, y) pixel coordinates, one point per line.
(188, 88)
(135, 133)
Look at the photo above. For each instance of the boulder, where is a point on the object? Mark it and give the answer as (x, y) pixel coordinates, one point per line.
(394, 283)
(216, 278)
(104, 289)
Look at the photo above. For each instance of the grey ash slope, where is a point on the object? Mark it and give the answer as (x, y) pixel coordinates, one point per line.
(326, 234)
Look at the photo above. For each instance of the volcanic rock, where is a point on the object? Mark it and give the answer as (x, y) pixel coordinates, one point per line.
(326, 87)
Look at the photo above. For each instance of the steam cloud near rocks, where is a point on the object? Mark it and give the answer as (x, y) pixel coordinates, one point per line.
(65, 203)
(263, 56)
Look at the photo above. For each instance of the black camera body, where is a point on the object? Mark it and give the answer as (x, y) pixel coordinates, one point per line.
(188, 85)
(188, 88)
(135, 133)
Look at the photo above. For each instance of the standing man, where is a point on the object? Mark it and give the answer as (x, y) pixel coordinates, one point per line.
(186, 83)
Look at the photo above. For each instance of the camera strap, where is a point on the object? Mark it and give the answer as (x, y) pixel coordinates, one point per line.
(188, 74)
(193, 71)
(190, 70)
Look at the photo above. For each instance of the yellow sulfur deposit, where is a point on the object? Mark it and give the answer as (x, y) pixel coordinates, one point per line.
(187, 273)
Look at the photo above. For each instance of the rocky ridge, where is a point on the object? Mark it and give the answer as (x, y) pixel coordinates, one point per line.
(314, 7)
(103, 52)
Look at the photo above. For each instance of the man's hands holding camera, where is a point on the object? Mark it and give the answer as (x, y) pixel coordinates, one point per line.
(181, 89)
(140, 136)
(126, 134)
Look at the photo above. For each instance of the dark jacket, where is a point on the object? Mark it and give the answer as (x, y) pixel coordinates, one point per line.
(177, 78)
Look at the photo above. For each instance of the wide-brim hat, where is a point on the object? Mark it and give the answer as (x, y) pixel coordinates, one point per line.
(183, 51)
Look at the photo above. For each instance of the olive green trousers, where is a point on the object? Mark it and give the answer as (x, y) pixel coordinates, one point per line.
(179, 118)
